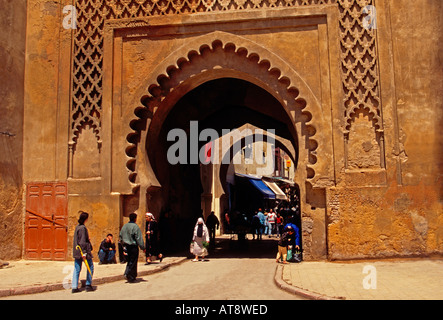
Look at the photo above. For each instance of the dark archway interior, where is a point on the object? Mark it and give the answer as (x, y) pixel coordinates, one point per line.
(225, 103)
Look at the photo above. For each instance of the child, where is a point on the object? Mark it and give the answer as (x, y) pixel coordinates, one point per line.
(283, 244)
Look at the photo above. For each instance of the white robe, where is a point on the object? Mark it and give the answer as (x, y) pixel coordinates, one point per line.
(199, 249)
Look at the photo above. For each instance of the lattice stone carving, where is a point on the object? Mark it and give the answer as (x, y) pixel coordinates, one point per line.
(360, 80)
(141, 8)
(87, 71)
(359, 62)
(359, 51)
(88, 43)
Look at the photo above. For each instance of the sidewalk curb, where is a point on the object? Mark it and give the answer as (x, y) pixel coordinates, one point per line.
(278, 279)
(33, 289)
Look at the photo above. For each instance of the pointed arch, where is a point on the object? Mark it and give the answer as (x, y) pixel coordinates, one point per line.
(223, 55)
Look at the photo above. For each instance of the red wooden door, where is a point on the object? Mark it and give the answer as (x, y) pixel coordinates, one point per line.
(46, 232)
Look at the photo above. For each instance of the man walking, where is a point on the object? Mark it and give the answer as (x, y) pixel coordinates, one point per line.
(132, 238)
(212, 223)
(82, 251)
(262, 219)
(271, 221)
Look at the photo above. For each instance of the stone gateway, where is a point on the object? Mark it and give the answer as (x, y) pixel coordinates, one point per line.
(351, 90)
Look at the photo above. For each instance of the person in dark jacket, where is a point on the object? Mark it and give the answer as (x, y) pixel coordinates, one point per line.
(212, 223)
(81, 238)
(152, 243)
(106, 252)
(296, 237)
(285, 239)
(256, 226)
(293, 242)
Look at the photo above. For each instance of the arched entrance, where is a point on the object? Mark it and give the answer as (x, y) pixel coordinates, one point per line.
(221, 105)
(220, 86)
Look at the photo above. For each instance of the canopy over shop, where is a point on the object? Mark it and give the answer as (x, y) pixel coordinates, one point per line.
(252, 192)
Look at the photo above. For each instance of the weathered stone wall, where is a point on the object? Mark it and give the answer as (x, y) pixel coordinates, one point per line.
(417, 49)
(384, 222)
(12, 68)
(43, 123)
(366, 105)
(404, 216)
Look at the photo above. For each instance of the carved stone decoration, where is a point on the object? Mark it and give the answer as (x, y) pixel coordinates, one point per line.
(358, 49)
(87, 70)
(363, 144)
(360, 84)
(193, 64)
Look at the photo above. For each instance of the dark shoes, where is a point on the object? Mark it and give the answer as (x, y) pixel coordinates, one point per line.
(87, 289)
(160, 257)
(130, 279)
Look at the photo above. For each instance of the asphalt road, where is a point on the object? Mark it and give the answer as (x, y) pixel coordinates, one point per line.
(233, 272)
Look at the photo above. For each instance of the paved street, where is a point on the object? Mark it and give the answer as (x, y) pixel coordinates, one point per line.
(231, 273)
(395, 279)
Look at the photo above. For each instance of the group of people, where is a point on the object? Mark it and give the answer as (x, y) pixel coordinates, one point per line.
(271, 223)
(268, 223)
(265, 223)
(131, 239)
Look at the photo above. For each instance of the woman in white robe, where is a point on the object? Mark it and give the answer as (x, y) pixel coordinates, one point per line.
(201, 236)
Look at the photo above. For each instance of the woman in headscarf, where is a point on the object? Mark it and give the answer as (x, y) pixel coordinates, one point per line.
(152, 244)
(201, 240)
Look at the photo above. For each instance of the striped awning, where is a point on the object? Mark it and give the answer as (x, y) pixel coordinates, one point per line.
(279, 194)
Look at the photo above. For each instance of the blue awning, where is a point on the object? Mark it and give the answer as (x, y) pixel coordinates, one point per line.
(259, 185)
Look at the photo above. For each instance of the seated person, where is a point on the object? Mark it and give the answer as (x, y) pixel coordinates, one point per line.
(106, 253)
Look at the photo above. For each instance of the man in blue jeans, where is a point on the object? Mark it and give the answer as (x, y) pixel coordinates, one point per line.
(262, 218)
(81, 238)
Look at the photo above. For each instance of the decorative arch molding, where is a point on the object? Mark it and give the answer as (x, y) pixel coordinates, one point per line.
(86, 123)
(359, 68)
(220, 55)
(228, 156)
